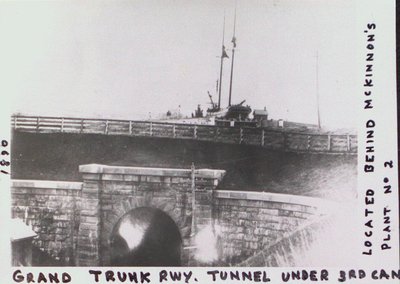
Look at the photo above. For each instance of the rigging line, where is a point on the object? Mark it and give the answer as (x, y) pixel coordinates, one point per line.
(234, 21)
(317, 87)
(233, 57)
(222, 62)
(223, 31)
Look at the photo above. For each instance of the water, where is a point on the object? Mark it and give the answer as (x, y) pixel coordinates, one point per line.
(146, 237)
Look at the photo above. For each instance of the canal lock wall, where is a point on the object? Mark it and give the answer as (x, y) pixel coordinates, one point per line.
(73, 220)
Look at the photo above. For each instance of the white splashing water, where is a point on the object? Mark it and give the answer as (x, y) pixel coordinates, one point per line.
(206, 244)
(330, 244)
(132, 233)
(329, 239)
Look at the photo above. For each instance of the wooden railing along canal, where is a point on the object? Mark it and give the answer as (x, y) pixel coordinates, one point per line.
(268, 138)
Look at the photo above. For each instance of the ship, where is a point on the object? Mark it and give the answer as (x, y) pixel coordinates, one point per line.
(237, 115)
(234, 114)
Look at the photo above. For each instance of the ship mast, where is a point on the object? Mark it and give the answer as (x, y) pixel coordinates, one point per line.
(233, 57)
(317, 87)
(223, 55)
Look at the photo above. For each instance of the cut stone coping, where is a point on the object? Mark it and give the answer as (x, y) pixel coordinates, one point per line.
(147, 171)
(277, 197)
(46, 184)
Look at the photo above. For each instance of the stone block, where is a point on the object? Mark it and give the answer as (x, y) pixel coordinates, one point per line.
(203, 214)
(260, 231)
(62, 217)
(203, 207)
(88, 254)
(90, 219)
(90, 193)
(89, 202)
(106, 198)
(252, 245)
(252, 210)
(250, 237)
(269, 211)
(60, 231)
(61, 237)
(91, 176)
(166, 180)
(168, 207)
(89, 212)
(106, 207)
(302, 215)
(47, 191)
(156, 179)
(92, 184)
(238, 229)
(92, 196)
(180, 180)
(281, 227)
(62, 224)
(203, 221)
(47, 237)
(131, 178)
(88, 226)
(112, 177)
(88, 238)
(284, 206)
(52, 204)
(238, 236)
(243, 215)
(286, 213)
(20, 190)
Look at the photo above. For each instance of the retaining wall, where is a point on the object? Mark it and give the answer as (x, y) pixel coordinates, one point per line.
(74, 220)
(252, 221)
(52, 209)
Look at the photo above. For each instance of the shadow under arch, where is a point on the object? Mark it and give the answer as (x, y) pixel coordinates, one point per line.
(146, 236)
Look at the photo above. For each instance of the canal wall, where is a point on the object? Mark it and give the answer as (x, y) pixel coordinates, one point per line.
(57, 156)
(74, 220)
(252, 221)
(52, 209)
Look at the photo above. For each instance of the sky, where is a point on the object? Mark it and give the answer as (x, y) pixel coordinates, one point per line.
(129, 59)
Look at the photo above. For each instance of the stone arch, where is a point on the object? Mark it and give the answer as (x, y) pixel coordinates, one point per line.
(146, 236)
(108, 192)
(179, 215)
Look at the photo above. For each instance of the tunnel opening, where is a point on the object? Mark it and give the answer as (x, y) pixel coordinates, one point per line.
(146, 237)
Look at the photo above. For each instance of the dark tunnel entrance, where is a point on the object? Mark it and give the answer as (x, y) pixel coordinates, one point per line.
(146, 237)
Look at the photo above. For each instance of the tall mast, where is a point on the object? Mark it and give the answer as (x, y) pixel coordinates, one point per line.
(233, 58)
(317, 86)
(223, 55)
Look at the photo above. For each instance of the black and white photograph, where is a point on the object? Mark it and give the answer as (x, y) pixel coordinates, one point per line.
(177, 133)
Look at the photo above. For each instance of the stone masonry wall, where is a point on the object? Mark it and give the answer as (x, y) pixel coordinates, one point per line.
(51, 208)
(109, 192)
(296, 246)
(74, 221)
(251, 221)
